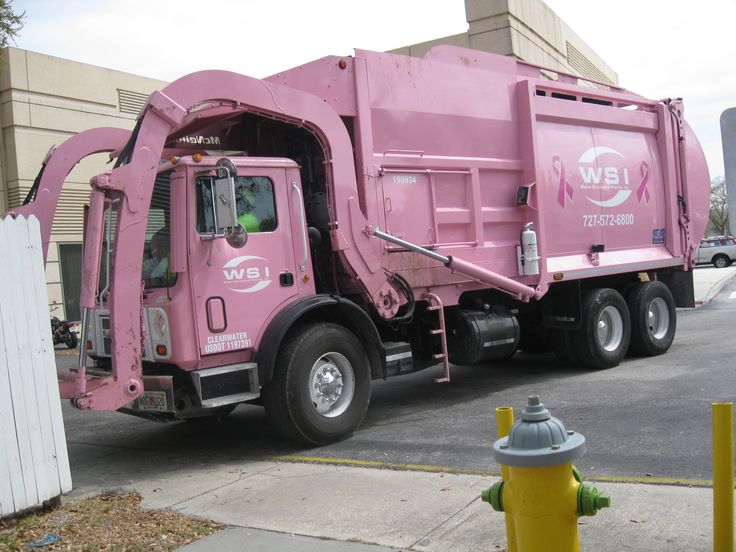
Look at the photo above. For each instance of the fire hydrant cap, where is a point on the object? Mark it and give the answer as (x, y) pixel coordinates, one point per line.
(590, 500)
(538, 439)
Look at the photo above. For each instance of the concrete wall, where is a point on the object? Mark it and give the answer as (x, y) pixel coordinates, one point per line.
(43, 101)
(528, 30)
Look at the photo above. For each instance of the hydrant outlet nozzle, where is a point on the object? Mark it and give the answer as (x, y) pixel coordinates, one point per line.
(590, 500)
(494, 496)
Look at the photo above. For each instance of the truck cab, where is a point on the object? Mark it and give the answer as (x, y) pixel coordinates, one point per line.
(206, 299)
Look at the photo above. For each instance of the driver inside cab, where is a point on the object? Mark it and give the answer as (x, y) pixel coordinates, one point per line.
(245, 205)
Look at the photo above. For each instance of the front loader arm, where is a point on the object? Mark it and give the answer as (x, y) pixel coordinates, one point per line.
(168, 113)
(58, 164)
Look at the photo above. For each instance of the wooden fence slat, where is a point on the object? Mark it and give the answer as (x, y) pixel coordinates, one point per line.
(57, 458)
(10, 470)
(34, 463)
(19, 281)
(21, 496)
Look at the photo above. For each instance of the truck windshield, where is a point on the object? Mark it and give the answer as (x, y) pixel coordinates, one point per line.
(157, 247)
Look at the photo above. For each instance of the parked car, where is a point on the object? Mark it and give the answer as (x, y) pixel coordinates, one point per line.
(719, 250)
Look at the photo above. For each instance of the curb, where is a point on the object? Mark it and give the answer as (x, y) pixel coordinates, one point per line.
(714, 289)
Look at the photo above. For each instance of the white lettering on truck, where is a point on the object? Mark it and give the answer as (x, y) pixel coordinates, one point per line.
(227, 342)
(247, 274)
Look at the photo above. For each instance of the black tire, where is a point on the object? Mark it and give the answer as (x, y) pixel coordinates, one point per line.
(653, 318)
(563, 347)
(309, 352)
(721, 261)
(71, 340)
(603, 339)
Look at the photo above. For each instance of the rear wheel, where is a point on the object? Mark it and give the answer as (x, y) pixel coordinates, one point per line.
(603, 339)
(653, 318)
(321, 386)
(721, 261)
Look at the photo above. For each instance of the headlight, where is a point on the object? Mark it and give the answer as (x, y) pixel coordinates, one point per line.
(159, 323)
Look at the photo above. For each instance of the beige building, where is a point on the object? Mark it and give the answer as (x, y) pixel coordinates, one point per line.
(46, 99)
(528, 30)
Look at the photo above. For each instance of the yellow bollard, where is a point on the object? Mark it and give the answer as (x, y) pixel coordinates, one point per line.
(542, 492)
(504, 421)
(722, 477)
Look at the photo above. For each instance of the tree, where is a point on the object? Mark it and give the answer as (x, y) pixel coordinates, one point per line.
(10, 22)
(718, 207)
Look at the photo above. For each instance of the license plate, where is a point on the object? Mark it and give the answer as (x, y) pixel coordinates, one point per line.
(153, 401)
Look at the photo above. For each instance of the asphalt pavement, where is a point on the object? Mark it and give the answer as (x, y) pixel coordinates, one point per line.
(326, 504)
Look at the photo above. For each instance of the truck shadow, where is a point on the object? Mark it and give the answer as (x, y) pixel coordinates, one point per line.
(125, 445)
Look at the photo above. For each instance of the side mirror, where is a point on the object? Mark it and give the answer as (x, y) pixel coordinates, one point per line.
(224, 200)
(225, 211)
(237, 236)
(225, 163)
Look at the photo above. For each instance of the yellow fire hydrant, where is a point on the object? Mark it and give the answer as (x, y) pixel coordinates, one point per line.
(544, 493)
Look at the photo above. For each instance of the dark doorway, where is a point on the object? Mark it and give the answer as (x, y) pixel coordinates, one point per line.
(70, 264)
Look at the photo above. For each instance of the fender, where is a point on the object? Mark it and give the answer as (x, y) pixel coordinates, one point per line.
(326, 307)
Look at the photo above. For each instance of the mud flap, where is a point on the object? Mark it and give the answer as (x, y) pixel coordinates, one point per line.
(561, 308)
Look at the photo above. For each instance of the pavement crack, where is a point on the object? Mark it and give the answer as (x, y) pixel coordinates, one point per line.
(445, 522)
(240, 478)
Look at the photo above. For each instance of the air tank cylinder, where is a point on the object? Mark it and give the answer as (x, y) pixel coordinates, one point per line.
(477, 336)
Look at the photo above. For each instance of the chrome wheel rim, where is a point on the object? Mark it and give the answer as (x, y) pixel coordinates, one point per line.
(658, 318)
(331, 384)
(610, 328)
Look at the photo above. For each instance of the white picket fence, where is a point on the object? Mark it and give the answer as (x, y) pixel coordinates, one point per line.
(34, 464)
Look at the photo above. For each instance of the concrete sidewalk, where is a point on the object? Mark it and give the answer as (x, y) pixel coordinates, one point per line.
(281, 506)
(709, 281)
(342, 506)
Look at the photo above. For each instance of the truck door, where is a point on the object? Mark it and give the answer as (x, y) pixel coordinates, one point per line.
(236, 291)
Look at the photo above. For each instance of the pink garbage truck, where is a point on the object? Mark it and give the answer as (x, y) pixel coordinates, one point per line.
(286, 241)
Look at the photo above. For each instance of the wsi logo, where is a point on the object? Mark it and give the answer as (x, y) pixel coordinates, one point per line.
(248, 271)
(604, 177)
(601, 176)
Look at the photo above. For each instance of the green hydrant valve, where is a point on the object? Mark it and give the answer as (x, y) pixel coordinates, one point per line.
(494, 496)
(576, 474)
(590, 500)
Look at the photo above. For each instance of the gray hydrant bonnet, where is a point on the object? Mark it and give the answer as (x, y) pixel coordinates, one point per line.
(538, 439)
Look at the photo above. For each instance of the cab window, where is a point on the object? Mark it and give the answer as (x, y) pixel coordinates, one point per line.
(157, 247)
(255, 205)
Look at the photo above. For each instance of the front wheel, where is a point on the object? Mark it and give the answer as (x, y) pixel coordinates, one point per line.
(721, 261)
(321, 385)
(603, 339)
(653, 318)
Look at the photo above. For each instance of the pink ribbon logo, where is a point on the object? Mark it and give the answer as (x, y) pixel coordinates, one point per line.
(643, 190)
(564, 189)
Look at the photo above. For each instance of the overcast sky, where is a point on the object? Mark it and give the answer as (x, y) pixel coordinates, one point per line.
(659, 48)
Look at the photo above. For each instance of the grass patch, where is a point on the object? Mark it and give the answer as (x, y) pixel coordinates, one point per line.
(108, 522)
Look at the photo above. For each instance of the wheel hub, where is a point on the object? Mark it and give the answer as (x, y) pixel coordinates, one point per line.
(658, 318)
(328, 382)
(610, 328)
(331, 384)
